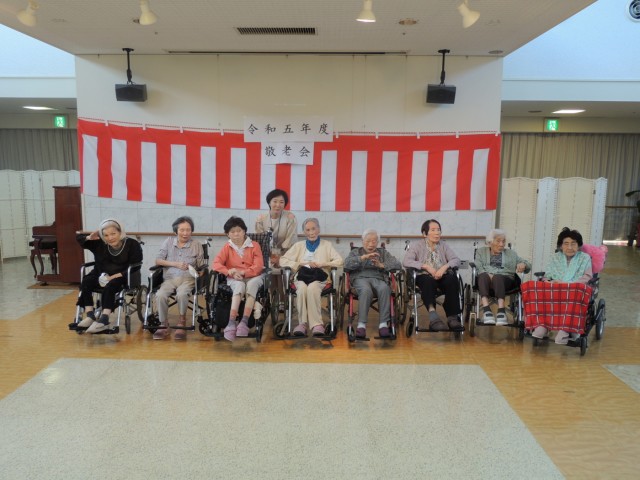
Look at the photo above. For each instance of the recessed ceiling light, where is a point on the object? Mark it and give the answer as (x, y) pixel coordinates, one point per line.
(407, 21)
(535, 111)
(567, 110)
(496, 52)
(31, 107)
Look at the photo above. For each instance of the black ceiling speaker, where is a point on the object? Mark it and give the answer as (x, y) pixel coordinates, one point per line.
(441, 93)
(130, 92)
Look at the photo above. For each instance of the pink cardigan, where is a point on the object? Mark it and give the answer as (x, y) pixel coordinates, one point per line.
(251, 262)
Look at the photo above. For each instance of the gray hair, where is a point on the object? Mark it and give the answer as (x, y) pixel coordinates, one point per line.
(111, 222)
(311, 219)
(495, 232)
(370, 231)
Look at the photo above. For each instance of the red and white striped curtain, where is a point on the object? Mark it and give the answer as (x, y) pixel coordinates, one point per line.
(391, 173)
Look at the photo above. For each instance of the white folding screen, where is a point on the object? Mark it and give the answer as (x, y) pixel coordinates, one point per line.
(577, 203)
(12, 214)
(546, 212)
(518, 213)
(27, 199)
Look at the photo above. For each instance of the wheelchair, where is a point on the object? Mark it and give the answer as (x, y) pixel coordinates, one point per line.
(284, 330)
(218, 299)
(348, 296)
(413, 302)
(594, 318)
(513, 300)
(128, 301)
(151, 318)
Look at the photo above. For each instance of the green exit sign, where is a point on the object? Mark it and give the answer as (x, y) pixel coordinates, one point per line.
(60, 121)
(551, 125)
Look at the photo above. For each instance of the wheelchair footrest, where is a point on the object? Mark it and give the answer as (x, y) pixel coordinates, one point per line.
(362, 339)
(290, 336)
(74, 326)
(109, 331)
(428, 330)
(179, 327)
(388, 337)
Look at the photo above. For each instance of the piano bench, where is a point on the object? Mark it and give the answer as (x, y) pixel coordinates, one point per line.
(44, 248)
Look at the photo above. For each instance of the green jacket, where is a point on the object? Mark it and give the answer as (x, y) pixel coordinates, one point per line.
(510, 260)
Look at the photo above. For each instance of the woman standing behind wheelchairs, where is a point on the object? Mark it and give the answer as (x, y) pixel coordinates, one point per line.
(497, 269)
(433, 259)
(113, 253)
(313, 253)
(283, 226)
(241, 261)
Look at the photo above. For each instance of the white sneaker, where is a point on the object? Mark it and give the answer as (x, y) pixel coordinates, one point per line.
(97, 327)
(562, 337)
(539, 332)
(501, 319)
(85, 322)
(488, 319)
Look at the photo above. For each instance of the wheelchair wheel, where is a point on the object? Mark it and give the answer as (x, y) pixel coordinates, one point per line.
(205, 327)
(409, 328)
(583, 345)
(467, 303)
(259, 329)
(328, 332)
(351, 336)
(536, 341)
(521, 332)
(127, 324)
(141, 302)
(280, 330)
(275, 306)
(600, 318)
(152, 323)
(401, 307)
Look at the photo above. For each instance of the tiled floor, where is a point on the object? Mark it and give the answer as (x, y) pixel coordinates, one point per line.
(126, 406)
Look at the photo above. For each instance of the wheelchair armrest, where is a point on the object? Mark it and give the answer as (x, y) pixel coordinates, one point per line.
(334, 273)
(286, 272)
(539, 275)
(153, 268)
(474, 273)
(131, 271)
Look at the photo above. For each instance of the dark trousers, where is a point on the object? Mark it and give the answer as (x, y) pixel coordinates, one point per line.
(90, 284)
(448, 284)
(496, 286)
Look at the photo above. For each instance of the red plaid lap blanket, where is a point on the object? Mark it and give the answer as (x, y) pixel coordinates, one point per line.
(556, 306)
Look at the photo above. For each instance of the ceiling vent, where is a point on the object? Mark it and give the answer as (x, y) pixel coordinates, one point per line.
(634, 10)
(276, 30)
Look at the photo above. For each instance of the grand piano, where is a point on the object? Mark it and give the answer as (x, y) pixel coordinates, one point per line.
(58, 240)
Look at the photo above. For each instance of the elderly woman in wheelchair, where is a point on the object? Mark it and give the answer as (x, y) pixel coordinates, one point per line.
(368, 269)
(311, 260)
(177, 253)
(567, 267)
(497, 270)
(115, 257)
(434, 262)
(241, 261)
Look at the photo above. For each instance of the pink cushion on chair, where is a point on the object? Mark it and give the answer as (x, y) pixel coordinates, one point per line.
(598, 255)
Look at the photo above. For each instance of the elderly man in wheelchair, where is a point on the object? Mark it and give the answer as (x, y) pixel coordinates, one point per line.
(179, 259)
(368, 271)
